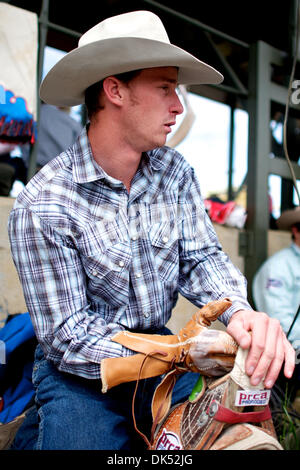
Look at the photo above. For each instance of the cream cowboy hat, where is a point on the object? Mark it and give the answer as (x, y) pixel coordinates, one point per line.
(126, 42)
(288, 218)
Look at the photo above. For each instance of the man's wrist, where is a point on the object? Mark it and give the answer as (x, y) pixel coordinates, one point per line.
(235, 310)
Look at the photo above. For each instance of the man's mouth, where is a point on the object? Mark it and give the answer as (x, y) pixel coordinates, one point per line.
(169, 125)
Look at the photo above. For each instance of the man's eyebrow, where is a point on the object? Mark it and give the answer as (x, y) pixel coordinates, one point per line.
(169, 80)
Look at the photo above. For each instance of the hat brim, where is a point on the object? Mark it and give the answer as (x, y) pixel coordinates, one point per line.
(288, 218)
(66, 82)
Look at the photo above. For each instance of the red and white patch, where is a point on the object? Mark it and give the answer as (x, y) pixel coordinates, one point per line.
(252, 397)
(168, 441)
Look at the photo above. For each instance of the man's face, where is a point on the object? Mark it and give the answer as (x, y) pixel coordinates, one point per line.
(151, 108)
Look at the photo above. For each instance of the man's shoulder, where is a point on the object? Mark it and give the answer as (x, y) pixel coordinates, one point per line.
(284, 253)
(279, 261)
(52, 178)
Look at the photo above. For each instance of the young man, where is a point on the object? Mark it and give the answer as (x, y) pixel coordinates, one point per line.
(109, 232)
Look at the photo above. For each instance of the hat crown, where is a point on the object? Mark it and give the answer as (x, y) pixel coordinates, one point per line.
(137, 24)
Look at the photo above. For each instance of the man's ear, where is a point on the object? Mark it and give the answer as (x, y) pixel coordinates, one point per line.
(294, 230)
(113, 90)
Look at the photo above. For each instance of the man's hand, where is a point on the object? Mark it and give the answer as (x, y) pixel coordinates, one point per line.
(267, 344)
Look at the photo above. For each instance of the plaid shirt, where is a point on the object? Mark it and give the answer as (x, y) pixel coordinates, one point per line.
(94, 259)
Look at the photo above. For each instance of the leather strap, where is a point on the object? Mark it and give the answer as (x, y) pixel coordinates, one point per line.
(161, 353)
(164, 401)
(225, 415)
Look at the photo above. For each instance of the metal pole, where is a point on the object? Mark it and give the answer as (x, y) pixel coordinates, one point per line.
(56, 27)
(258, 155)
(230, 195)
(43, 31)
(198, 23)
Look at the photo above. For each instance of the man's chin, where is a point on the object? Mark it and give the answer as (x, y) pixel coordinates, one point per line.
(157, 144)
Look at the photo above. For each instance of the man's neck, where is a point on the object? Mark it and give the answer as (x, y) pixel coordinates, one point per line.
(115, 158)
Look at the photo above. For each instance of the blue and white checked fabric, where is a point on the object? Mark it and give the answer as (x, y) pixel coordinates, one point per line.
(94, 259)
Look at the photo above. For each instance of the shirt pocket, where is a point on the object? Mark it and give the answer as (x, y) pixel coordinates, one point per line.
(115, 258)
(106, 264)
(164, 241)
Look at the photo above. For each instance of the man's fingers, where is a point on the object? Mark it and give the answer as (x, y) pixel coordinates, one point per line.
(290, 358)
(238, 331)
(272, 358)
(263, 348)
(268, 346)
(275, 366)
(267, 354)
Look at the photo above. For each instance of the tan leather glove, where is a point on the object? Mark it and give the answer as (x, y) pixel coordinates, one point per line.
(195, 348)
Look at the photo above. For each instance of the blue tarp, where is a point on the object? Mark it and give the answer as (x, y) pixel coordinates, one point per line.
(15, 397)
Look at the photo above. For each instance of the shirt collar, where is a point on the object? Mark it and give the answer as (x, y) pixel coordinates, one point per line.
(296, 248)
(151, 162)
(86, 169)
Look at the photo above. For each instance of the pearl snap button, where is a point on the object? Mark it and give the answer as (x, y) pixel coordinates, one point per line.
(94, 272)
(165, 239)
(138, 275)
(121, 264)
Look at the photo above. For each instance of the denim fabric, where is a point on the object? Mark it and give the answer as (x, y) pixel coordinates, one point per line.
(73, 414)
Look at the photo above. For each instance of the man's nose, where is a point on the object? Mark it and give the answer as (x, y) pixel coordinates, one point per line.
(177, 107)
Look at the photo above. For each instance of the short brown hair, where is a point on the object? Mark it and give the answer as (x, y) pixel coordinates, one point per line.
(92, 93)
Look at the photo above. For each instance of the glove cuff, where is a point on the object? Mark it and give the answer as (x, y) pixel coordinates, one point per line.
(149, 344)
(118, 370)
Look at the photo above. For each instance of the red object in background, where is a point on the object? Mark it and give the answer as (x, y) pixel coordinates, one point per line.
(219, 211)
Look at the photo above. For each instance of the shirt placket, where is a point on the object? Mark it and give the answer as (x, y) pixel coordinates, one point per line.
(136, 228)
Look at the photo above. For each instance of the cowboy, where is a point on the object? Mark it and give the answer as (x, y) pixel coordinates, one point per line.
(108, 233)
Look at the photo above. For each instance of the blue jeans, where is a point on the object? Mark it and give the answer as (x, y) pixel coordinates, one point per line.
(72, 413)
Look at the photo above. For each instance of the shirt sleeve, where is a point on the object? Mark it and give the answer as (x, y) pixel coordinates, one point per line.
(206, 272)
(54, 286)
